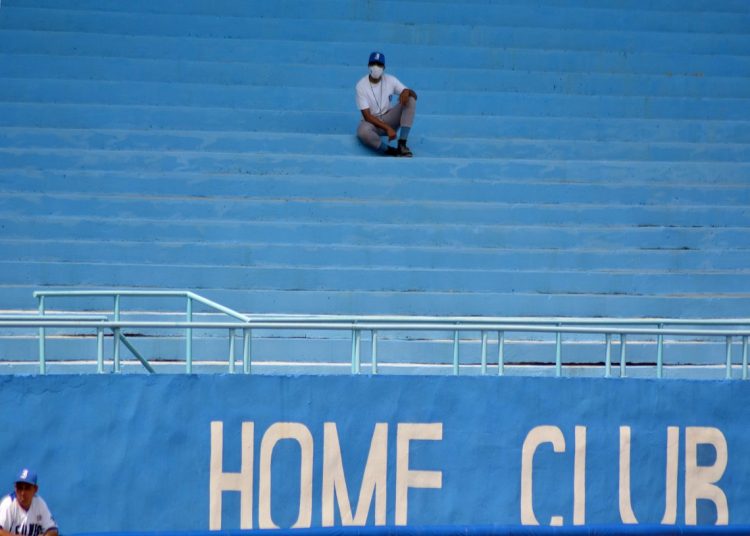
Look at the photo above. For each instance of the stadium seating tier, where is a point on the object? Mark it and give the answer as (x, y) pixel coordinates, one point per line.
(572, 158)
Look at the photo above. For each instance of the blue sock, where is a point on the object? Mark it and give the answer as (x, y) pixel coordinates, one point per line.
(383, 147)
(404, 133)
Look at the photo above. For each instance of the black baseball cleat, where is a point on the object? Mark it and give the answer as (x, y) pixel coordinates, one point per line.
(391, 151)
(403, 150)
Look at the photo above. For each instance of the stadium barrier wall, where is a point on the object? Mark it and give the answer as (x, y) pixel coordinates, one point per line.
(210, 452)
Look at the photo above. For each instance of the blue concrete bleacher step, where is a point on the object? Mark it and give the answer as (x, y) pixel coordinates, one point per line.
(497, 194)
(405, 234)
(432, 79)
(299, 143)
(572, 29)
(72, 116)
(582, 158)
(253, 251)
(258, 52)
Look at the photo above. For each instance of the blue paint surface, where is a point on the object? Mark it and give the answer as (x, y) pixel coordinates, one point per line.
(574, 158)
(132, 453)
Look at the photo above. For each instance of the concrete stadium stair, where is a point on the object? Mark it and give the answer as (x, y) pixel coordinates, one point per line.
(572, 158)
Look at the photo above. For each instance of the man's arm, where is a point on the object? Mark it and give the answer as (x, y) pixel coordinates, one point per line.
(5, 520)
(403, 98)
(367, 115)
(48, 522)
(50, 532)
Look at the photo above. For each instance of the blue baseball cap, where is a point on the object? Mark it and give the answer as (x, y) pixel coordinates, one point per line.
(377, 57)
(27, 476)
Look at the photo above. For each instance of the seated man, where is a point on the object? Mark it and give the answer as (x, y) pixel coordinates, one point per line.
(379, 118)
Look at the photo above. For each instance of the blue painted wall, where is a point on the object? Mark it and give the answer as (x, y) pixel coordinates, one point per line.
(134, 453)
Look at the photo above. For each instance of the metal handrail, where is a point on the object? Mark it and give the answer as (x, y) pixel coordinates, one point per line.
(357, 327)
(41, 294)
(487, 322)
(190, 296)
(621, 327)
(11, 317)
(368, 326)
(505, 320)
(395, 318)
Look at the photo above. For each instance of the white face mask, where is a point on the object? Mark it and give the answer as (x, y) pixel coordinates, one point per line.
(376, 71)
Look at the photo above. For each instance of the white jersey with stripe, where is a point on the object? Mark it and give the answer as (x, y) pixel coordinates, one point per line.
(35, 521)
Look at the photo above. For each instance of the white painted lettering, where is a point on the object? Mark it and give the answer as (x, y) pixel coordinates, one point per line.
(626, 507)
(579, 477)
(407, 478)
(670, 485)
(536, 437)
(220, 481)
(373, 481)
(275, 433)
(699, 479)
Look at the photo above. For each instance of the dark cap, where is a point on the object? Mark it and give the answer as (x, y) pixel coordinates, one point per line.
(27, 476)
(377, 57)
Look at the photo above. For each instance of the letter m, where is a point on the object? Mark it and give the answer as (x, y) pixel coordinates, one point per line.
(373, 480)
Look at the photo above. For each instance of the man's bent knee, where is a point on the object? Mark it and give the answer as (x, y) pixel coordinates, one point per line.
(367, 135)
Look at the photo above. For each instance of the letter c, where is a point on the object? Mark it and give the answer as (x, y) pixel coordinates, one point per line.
(537, 436)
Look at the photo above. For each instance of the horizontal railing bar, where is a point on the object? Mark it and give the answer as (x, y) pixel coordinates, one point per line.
(397, 318)
(504, 320)
(142, 294)
(52, 316)
(334, 326)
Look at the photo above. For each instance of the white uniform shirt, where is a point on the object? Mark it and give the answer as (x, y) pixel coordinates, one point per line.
(376, 97)
(34, 522)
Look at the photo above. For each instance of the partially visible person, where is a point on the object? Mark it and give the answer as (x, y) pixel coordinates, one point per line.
(379, 117)
(24, 512)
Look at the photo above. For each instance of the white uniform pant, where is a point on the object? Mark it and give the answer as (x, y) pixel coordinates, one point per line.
(396, 117)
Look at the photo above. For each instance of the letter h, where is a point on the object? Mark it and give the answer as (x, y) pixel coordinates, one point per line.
(221, 481)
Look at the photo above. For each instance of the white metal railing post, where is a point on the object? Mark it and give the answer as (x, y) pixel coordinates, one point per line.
(729, 358)
(660, 353)
(116, 360)
(484, 353)
(42, 341)
(247, 341)
(455, 353)
(558, 354)
(99, 350)
(500, 353)
(116, 343)
(623, 343)
(189, 338)
(374, 351)
(357, 346)
(231, 351)
(744, 357)
(354, 351)
(608, 355)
